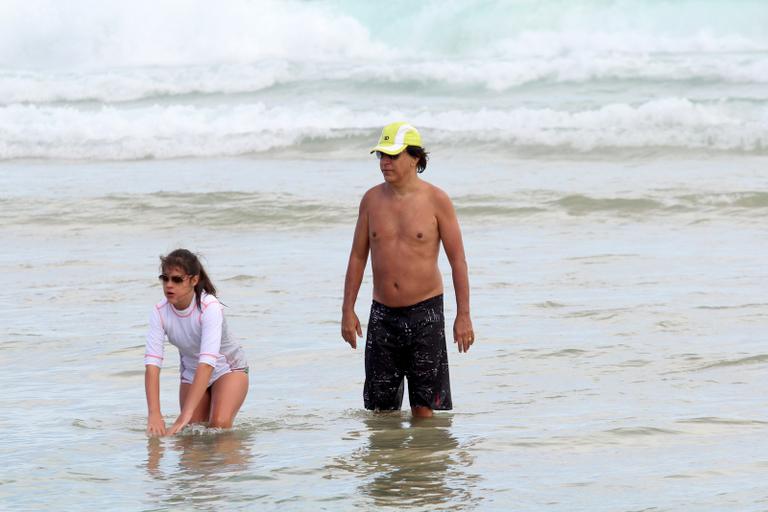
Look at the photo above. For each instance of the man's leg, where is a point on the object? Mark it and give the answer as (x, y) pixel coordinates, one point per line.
(384, 384)
(420, 411)
(429, 386)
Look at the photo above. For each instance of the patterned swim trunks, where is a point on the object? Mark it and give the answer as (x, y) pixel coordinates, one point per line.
(407, 342)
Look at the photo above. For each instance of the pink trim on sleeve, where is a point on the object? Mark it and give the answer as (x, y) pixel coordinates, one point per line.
(209, 359)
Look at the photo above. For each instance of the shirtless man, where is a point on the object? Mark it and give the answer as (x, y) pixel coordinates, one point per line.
(402, 222)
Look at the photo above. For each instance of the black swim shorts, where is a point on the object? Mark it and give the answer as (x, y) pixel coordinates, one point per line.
(407, 342)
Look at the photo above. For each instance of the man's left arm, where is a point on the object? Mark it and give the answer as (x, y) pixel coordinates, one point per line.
(450, 234)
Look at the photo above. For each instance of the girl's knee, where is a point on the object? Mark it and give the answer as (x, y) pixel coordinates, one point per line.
(220, 421)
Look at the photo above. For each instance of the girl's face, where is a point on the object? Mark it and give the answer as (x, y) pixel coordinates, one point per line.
(178, 287)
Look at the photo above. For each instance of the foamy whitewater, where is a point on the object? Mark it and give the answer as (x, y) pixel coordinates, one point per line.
(193, 79)
(607, 161)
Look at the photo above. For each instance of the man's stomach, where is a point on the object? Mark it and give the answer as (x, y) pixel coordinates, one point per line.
(405, 288)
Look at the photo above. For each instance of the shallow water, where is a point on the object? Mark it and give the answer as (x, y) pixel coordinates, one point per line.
(619, 362)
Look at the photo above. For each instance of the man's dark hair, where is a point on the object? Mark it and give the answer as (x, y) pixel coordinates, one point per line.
(420, 154)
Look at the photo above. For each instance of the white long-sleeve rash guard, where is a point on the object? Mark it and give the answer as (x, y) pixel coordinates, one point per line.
(200, 334)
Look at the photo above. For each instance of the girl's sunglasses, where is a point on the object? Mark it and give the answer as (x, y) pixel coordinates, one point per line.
(176, 279)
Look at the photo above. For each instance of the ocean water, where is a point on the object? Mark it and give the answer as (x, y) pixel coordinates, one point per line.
(607, 160)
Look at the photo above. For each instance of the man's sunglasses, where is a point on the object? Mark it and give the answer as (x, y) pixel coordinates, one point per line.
(381, 155)
(176, 279)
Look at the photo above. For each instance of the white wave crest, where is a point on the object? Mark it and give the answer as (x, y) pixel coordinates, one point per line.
(91, 34)
(89, 50)
(499, 76)
(191, 131)
(140, 83)
(674, 123)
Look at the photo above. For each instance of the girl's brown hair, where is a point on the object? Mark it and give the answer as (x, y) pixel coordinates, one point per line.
(189, 263)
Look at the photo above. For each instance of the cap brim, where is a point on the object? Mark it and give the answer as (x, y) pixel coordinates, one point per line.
(390, 150)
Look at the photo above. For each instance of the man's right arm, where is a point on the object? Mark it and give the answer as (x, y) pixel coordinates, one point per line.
(358, 258)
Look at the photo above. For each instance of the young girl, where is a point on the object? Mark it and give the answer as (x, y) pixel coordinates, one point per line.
(214, 372)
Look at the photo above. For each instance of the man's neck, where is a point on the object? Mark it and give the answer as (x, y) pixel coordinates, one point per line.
(405, 187)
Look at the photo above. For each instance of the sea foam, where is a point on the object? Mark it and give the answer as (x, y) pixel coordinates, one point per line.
(174, 131)
(94, 80)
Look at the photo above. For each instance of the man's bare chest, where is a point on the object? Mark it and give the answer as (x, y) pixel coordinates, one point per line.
(418, 226)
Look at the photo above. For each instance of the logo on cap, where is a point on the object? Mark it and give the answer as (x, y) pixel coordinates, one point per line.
(395, 137)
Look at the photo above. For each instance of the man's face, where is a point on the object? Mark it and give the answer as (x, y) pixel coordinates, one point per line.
(397, 167)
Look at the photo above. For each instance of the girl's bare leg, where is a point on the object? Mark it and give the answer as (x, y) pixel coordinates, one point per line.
(227, 395)
(203, 408)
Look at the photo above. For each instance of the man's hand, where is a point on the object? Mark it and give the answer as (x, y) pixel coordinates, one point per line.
(463, 334)
(350, 328)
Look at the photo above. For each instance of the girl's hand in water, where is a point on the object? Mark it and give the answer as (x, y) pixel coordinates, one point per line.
(155, 425)
(179, 424)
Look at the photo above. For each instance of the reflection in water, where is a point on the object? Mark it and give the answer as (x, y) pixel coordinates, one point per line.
(413, 463)
(205, 462)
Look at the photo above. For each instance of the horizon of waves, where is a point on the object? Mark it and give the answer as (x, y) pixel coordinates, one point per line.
(286, 211)
(671, 125)
(340, 30)
(85, 81)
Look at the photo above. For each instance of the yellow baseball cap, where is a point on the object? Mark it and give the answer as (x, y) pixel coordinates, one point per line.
(395, 137)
